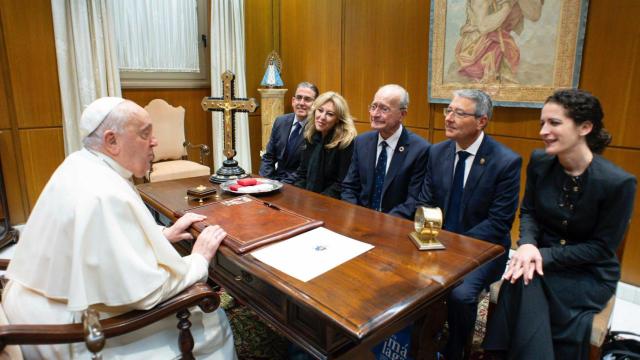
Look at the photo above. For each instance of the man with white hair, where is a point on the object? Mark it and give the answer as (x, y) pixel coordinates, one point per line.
(389, 162)
(91, 242)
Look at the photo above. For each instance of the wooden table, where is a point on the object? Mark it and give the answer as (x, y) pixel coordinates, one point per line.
(345, 312)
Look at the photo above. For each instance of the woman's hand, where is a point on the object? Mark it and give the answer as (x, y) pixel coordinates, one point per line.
(178, 231)
(525, 262)
(208, 241)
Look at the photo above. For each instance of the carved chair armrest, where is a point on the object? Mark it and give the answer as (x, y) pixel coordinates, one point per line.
(4, 264)
(204, 149)
(198, 294)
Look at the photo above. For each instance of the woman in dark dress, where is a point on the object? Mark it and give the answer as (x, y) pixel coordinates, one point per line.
(573, 217)
(328, 136)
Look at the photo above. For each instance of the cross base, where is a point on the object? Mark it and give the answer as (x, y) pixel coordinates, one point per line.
(229, 171)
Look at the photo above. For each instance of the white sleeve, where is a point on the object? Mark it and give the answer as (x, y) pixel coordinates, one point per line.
(198, 271)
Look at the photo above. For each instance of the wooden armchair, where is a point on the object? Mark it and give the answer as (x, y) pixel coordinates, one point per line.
(94, 333)
(171, 153)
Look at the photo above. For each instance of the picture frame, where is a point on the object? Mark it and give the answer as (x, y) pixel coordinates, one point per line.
(518, 51)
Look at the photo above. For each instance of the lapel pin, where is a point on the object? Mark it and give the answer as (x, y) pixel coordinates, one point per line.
(401, 148)
(482, 161)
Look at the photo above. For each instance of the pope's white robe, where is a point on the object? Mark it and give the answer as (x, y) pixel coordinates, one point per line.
(91, 241)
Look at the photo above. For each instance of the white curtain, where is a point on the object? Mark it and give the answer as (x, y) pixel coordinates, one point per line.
(227, 53)
(157, 35)
(87, 65)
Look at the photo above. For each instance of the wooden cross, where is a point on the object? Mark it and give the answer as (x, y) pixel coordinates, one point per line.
(229, 105)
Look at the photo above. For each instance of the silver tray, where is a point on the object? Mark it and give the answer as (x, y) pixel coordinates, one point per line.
(274, 185)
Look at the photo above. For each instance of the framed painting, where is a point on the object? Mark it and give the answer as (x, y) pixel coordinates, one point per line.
(518, 51)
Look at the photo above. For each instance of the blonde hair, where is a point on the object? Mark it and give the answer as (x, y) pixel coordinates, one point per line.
(344, 129)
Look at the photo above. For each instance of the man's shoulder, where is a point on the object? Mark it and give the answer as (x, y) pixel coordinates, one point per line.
(366, 136)
(441, 147)
(412, 138)
(284, 118)
(501, 149)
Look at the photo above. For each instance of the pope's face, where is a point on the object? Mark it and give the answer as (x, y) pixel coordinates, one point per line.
(137, 143)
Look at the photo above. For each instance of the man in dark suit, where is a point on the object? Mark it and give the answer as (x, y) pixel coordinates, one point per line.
(388, 163)
(282, 155)
(476, 181)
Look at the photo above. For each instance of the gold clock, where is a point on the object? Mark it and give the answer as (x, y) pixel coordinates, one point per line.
(427, 224)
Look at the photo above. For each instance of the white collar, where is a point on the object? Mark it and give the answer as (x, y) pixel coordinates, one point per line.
(473, 148)
(119, 169)
(392, 140)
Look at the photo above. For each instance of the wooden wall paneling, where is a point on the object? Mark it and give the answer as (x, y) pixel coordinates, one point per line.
(362, 127)
(386, 42)
(424, 133)
(628, 160)
(13, 188)
(30, 44)
(42, 152)
(259, 41)
(255, 135)
(261, 34)
(197, 121)
(5, 119)
(311, 44)
(611, 65)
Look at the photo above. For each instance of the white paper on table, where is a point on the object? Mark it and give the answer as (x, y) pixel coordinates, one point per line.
(312, 253)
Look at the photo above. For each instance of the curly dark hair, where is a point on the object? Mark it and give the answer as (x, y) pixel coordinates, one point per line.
(582, 106)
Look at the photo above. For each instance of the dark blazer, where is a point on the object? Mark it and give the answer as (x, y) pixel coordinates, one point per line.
(322, 170)
(577, 226)
(275, 165)
(490, 198)
(589, 235)
(403, 178)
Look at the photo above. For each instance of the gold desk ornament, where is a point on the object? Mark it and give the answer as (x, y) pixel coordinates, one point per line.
(427, 222)
(201, 193)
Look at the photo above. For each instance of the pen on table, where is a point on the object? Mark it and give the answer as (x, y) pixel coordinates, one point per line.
(268, 204)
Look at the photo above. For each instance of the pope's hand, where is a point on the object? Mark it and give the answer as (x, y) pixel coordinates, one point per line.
(178, 231)
(208, 241)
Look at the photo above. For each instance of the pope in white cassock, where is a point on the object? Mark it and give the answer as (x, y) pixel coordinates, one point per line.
(90, 241)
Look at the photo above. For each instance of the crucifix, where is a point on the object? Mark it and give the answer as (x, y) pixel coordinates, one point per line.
(229, 105)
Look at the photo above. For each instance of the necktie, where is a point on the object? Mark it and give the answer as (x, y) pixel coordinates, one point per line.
(381, 171)
(452, 219)
(293, 139)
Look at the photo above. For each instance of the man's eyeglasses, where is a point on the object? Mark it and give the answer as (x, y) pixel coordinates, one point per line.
(306, 99)
(383, 109)
(457, 113)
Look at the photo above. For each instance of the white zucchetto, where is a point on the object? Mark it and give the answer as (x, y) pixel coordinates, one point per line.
(95, 114)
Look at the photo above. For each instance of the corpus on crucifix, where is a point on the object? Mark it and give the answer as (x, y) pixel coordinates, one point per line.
(229, 105)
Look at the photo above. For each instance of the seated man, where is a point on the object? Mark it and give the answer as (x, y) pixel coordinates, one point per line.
(283, 153)
(389, 162)
(91, 242)
(479, 199)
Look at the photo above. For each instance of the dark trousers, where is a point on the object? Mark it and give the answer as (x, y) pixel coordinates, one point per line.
(462, 305)
(548, 318)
